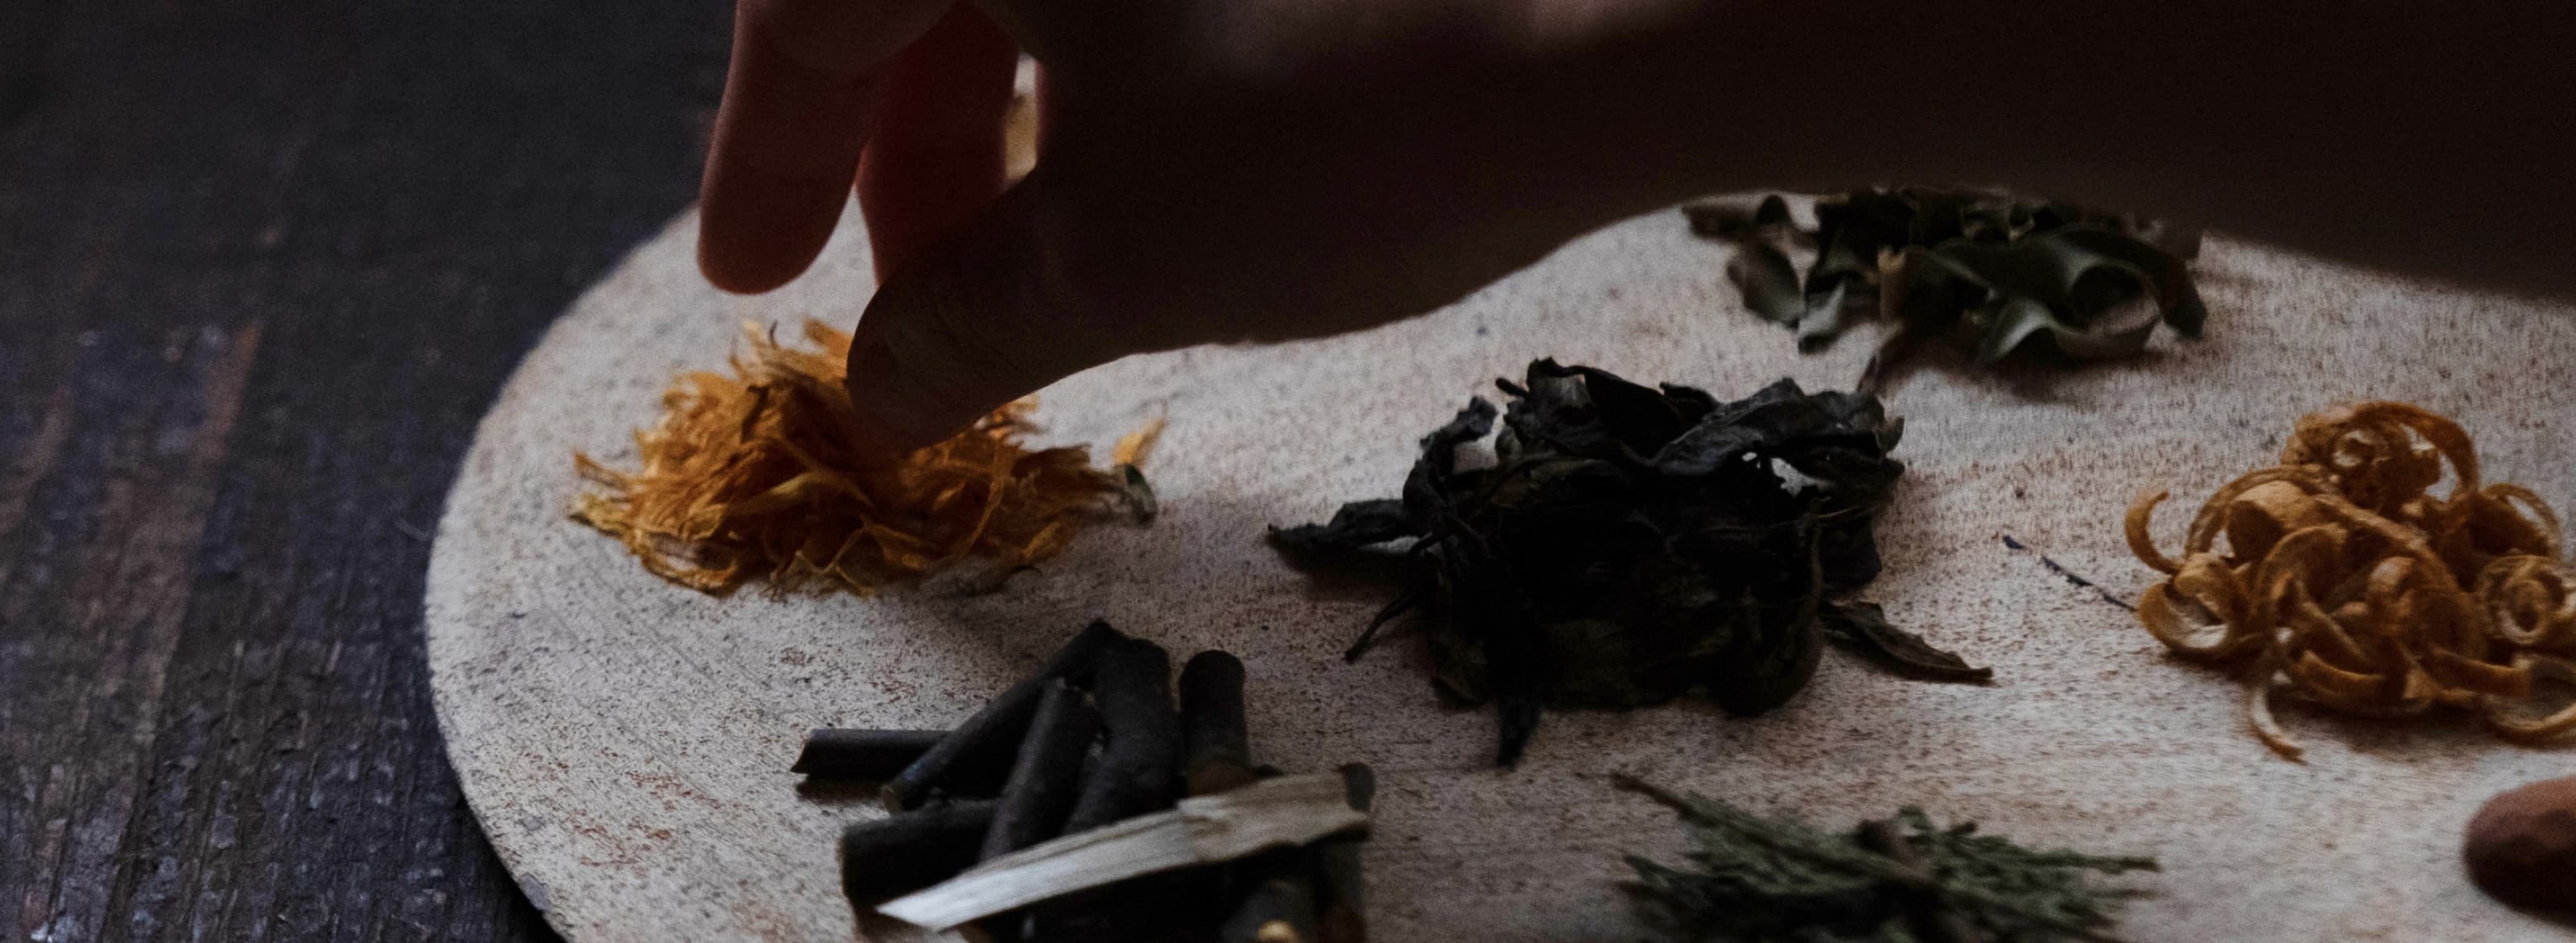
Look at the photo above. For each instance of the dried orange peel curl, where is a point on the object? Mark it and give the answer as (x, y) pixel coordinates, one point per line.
(760, 475)
(2339, 576)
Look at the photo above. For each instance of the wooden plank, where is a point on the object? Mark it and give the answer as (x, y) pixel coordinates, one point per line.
(261, 267)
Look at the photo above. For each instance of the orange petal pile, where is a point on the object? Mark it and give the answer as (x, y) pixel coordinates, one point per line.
(2339, 576)
(758, 475)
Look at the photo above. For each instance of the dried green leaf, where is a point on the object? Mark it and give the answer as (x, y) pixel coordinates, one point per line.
(1862, 629)
(1769, 283)
(1737, 217)
(1825, 317)
(1999, 272)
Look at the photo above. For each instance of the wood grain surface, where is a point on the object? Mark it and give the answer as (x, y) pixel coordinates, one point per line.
(627, 742)
(262, 264)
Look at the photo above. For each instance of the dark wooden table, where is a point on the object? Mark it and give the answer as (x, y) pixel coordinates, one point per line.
(263, 263)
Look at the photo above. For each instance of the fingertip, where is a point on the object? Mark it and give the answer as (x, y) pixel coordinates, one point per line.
(755, 235)
(895, 418)
(955, 337)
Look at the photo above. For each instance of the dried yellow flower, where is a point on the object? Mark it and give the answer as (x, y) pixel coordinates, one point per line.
(758, 475)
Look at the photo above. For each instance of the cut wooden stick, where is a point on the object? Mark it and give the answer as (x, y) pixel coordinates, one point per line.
(1312, 893)
(1280, 908)
(1340, 884)
(1277, 813)
(875, 755)
(1048, 773)
(1140, 771)
(1216, 739)
(911, 850)
(991, 738)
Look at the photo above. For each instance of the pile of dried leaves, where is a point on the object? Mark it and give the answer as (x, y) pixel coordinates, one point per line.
(1761, 880)
(760, 475)
(1629, 544)
(1997, 272)
(2345, 580)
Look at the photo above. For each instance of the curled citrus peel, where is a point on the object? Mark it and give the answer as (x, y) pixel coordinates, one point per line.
(2340, 577)
(760, 474)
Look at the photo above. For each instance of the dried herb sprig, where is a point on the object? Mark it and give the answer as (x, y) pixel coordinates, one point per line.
(2002, 273)
(1758, 879)
(1630, 544)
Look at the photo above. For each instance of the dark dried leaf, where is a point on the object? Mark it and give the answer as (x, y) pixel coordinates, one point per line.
(1140, 494)
(1356, 525)
(1769, 283)
(1863, 630)
(2001, 273)
(1629, 544)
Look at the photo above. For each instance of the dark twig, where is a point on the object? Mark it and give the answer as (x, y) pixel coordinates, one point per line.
(1340, 884)
(1140, 771)
(875, 755)
(2070, 575)
(911, 850)
(1216, 740)
(992, 736)
(1047, 777)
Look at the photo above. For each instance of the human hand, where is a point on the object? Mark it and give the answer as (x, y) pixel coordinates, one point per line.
(1255, 170)
(1251, 170)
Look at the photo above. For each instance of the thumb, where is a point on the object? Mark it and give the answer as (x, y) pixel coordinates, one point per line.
(989, 317)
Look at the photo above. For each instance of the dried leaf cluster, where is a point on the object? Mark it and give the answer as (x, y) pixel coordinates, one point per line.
(1758, 879)
(1629, 544)
(2339, 576)
(2001, 273)
(759, 475)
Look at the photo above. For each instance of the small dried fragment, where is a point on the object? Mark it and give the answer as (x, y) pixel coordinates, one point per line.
(760, 475)
(2339, 576)
(2521, 847)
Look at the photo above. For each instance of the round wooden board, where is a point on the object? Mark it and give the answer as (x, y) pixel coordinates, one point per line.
(626, 742)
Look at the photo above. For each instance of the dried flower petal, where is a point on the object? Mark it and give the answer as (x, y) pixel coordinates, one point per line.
(759, 475)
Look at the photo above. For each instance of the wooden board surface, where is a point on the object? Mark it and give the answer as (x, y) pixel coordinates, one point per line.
(626, 742)
(263, 266)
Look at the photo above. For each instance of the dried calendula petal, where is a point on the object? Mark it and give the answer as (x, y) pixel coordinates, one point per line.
(760, 475)
(2341, 577)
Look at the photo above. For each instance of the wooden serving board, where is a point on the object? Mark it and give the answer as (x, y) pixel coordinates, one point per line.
(626, 742)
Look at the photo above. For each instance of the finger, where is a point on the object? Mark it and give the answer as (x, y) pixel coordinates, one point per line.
(935, 158)
(988, 318)
(805, 77)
